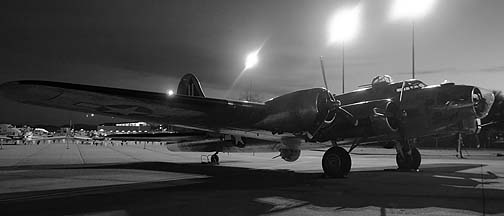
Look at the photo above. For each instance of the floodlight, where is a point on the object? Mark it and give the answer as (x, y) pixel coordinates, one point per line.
(251, 59)
(411, 9)
(343, 26)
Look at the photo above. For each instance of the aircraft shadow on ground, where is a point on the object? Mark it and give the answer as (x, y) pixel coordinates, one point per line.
(234, 190)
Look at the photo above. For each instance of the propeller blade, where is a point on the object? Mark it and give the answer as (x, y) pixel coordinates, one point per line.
(323, 71)
(402, 91)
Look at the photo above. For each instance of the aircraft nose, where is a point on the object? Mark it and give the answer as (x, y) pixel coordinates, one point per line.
(482, 101)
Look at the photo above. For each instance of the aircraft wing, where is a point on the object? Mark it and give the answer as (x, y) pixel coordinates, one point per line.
(311, 114)
(182, 110)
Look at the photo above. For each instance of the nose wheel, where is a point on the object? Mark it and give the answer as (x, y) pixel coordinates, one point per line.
(336, 162)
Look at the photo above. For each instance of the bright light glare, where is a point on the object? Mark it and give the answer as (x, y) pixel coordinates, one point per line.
(170, 92)
(411, 9)
(343, 26)
(251, 60)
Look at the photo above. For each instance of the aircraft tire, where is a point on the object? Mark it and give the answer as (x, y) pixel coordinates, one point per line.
(336, 162)
(411, 162)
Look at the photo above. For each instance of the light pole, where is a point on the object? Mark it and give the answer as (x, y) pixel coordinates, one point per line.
(412, 10)
(413, 49)
(343, 27)
(343, 67)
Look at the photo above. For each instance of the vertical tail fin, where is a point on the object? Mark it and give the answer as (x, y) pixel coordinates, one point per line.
(189, 85)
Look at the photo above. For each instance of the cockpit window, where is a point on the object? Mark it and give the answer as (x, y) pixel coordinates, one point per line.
(411, 85)
(381, 80)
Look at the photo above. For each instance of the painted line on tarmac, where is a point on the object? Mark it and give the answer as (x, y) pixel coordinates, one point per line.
(80, 154)
(128, 155)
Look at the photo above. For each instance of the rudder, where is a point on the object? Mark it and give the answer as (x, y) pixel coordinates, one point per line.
(189, 85)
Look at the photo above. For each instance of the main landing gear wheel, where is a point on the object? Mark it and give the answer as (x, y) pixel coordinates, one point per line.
(214, 159)
(411, 161)
(336, 162)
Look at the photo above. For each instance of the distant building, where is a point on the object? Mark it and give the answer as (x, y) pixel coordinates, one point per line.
(125, 128)
(64, 131)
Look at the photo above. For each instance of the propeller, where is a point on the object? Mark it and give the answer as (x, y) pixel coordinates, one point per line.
(495, 116)
(331, 107)
(482, 102)
(333, 104)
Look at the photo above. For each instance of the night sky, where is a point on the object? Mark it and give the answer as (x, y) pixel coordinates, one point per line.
(149, 45)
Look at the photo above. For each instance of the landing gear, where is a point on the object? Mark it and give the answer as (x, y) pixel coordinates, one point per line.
(409, 160)
(214, 159)
(336, 162)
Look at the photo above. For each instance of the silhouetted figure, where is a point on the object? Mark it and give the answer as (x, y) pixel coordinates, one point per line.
(460, 144)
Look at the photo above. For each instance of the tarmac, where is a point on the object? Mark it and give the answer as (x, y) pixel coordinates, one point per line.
(147, 179)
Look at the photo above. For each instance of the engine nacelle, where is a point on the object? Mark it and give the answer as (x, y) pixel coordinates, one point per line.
(482, 102)
(297, 111)
(290, 155)
(386, 118)
(384, 115)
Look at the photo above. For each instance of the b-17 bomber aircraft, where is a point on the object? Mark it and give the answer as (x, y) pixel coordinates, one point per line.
(393, 111)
